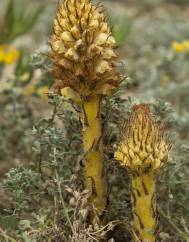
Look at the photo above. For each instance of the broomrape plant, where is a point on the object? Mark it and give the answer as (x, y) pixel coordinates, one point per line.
(143, 151)
(85, 66)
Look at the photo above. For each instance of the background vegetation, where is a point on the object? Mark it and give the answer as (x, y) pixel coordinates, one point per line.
(40, 149)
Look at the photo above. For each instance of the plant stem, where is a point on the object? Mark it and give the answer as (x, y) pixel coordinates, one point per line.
(181, 234)
(144, 206)
(168, 192)
(62, 200)
(94, 169)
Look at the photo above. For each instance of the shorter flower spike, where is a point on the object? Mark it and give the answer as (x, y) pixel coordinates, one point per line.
(142, 146)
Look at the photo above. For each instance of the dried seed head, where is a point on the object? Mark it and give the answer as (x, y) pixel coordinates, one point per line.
(142, 147)
(83, 49)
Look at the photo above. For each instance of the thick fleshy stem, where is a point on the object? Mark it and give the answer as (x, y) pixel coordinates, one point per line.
(144, 206)
(94, 168)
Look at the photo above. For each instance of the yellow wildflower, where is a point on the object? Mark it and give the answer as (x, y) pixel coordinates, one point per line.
(186, 44)
(1, 56)
(180, 47)
(8, 54)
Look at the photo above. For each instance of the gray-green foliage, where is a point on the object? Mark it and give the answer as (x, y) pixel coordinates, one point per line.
(16, 120)
(22, 182)
(57, 153)
(179, 2)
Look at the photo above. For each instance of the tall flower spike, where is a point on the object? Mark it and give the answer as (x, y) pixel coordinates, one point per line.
(85, 67)
(83, 49)
(143, 151)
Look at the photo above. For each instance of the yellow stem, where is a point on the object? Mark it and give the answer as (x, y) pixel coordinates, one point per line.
(93, 170)
(144, 206)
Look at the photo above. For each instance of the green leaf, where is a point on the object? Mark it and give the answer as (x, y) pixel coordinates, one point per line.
(122, 25)
(8, 23)
(9, 222)
(23, 67)
(24, 22)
